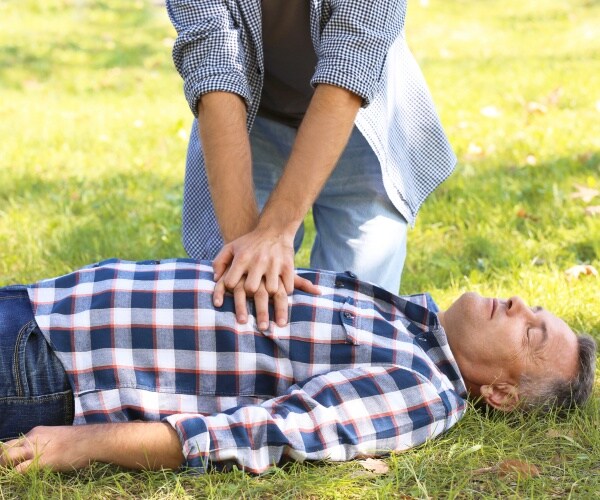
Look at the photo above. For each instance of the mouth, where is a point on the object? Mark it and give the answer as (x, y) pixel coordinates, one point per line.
(494, 307)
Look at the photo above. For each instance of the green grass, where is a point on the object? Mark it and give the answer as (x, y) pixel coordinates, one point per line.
(94, 126)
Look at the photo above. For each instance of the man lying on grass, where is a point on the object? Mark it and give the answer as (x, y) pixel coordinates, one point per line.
(151, 374)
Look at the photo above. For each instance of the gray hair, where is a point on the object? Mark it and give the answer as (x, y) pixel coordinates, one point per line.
(560, 394)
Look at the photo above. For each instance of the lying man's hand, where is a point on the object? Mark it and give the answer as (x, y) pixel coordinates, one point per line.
(134, 445)
(258, 265)
(56, 448)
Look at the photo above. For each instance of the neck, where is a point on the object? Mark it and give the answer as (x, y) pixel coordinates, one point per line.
(472, 389)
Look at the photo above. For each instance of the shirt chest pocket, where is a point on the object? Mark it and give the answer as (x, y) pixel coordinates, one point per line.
(344, 324)
(310, 323)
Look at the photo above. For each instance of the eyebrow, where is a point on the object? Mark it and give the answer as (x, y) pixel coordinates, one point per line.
(543, 326)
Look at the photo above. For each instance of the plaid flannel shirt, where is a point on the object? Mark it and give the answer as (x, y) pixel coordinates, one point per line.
(360, 46)
(357, 371)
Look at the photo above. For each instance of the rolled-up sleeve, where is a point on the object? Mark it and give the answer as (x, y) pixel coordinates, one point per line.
(207, 53)
(336, 416)
(354, 44)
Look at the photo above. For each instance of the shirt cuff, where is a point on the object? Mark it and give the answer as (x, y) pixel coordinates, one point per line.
(346, 76)
(195, 86)
(194, 438)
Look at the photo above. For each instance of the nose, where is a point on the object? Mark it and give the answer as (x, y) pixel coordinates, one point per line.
(515, 305)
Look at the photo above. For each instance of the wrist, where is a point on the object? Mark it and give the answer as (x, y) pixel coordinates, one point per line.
(277, 227)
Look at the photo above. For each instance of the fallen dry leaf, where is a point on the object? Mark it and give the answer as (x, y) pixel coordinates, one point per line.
(553, 97)
(475, 150)
(485, 470)
(593, 210)
(585, 157)
(587, 194)
(523, 214)
(536, 107)
(445, 53)
(375, 466)
(524, 469)
(510, 466)
(531, 160)
(490, 111)
(556, 433)
(576, 271)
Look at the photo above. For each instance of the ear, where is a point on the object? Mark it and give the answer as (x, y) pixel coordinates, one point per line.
(501, 396)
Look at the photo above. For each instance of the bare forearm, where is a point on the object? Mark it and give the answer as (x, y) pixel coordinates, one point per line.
(134, 445)
(226, 148)
(261, 263)
(320, 142)
(137, 445)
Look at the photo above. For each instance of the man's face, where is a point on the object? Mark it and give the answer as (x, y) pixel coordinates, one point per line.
(499, 340)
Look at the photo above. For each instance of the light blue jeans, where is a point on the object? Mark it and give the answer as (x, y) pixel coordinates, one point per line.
(358, 228)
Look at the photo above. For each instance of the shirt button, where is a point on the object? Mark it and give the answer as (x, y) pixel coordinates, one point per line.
(348, 315)
(339, 284)
(351, 274)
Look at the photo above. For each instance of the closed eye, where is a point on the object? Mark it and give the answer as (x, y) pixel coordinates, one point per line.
(544, 330)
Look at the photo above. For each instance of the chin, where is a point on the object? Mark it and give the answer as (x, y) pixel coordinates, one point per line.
(468, 308)
(468, 299)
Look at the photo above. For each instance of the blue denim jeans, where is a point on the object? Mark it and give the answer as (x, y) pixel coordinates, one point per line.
(34, 389)
(358, 228)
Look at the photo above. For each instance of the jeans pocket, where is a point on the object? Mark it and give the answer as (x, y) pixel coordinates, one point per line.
(37, 370)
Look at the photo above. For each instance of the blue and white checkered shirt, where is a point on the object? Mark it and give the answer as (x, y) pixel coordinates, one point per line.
(360, 46)
(357, 371)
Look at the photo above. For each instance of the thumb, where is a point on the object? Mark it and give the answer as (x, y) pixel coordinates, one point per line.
(24, 466)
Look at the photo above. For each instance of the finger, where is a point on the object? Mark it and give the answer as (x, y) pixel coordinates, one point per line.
(24, 466)
(239, 300)
(222, 261)
(306, 285)
(17, 454)
(6, 446)
(253, 280)
(259, 276)
(261, 304)
(280, 305)
(257, 271)
(236, 272)
(287, 278)
(219, 293)
(272, 279)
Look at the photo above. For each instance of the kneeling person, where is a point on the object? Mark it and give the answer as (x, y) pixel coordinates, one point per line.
(162, 378)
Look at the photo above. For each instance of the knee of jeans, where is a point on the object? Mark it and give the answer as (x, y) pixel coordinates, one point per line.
(38, 371)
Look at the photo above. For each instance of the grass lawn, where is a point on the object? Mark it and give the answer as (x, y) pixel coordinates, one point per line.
(94, 128)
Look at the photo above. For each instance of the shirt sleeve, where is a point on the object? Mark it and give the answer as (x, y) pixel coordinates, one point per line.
(336, 416)
(354, 44)
(207, 53)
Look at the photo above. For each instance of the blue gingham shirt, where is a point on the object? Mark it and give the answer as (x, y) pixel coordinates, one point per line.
(360, 46)
(357, 371)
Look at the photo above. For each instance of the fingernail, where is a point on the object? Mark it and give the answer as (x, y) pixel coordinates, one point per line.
(263, 325)
(241, 319)
(281, 322)
(217, 302)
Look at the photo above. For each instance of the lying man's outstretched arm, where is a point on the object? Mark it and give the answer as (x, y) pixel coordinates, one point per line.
(366, 411)
(134, 445)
